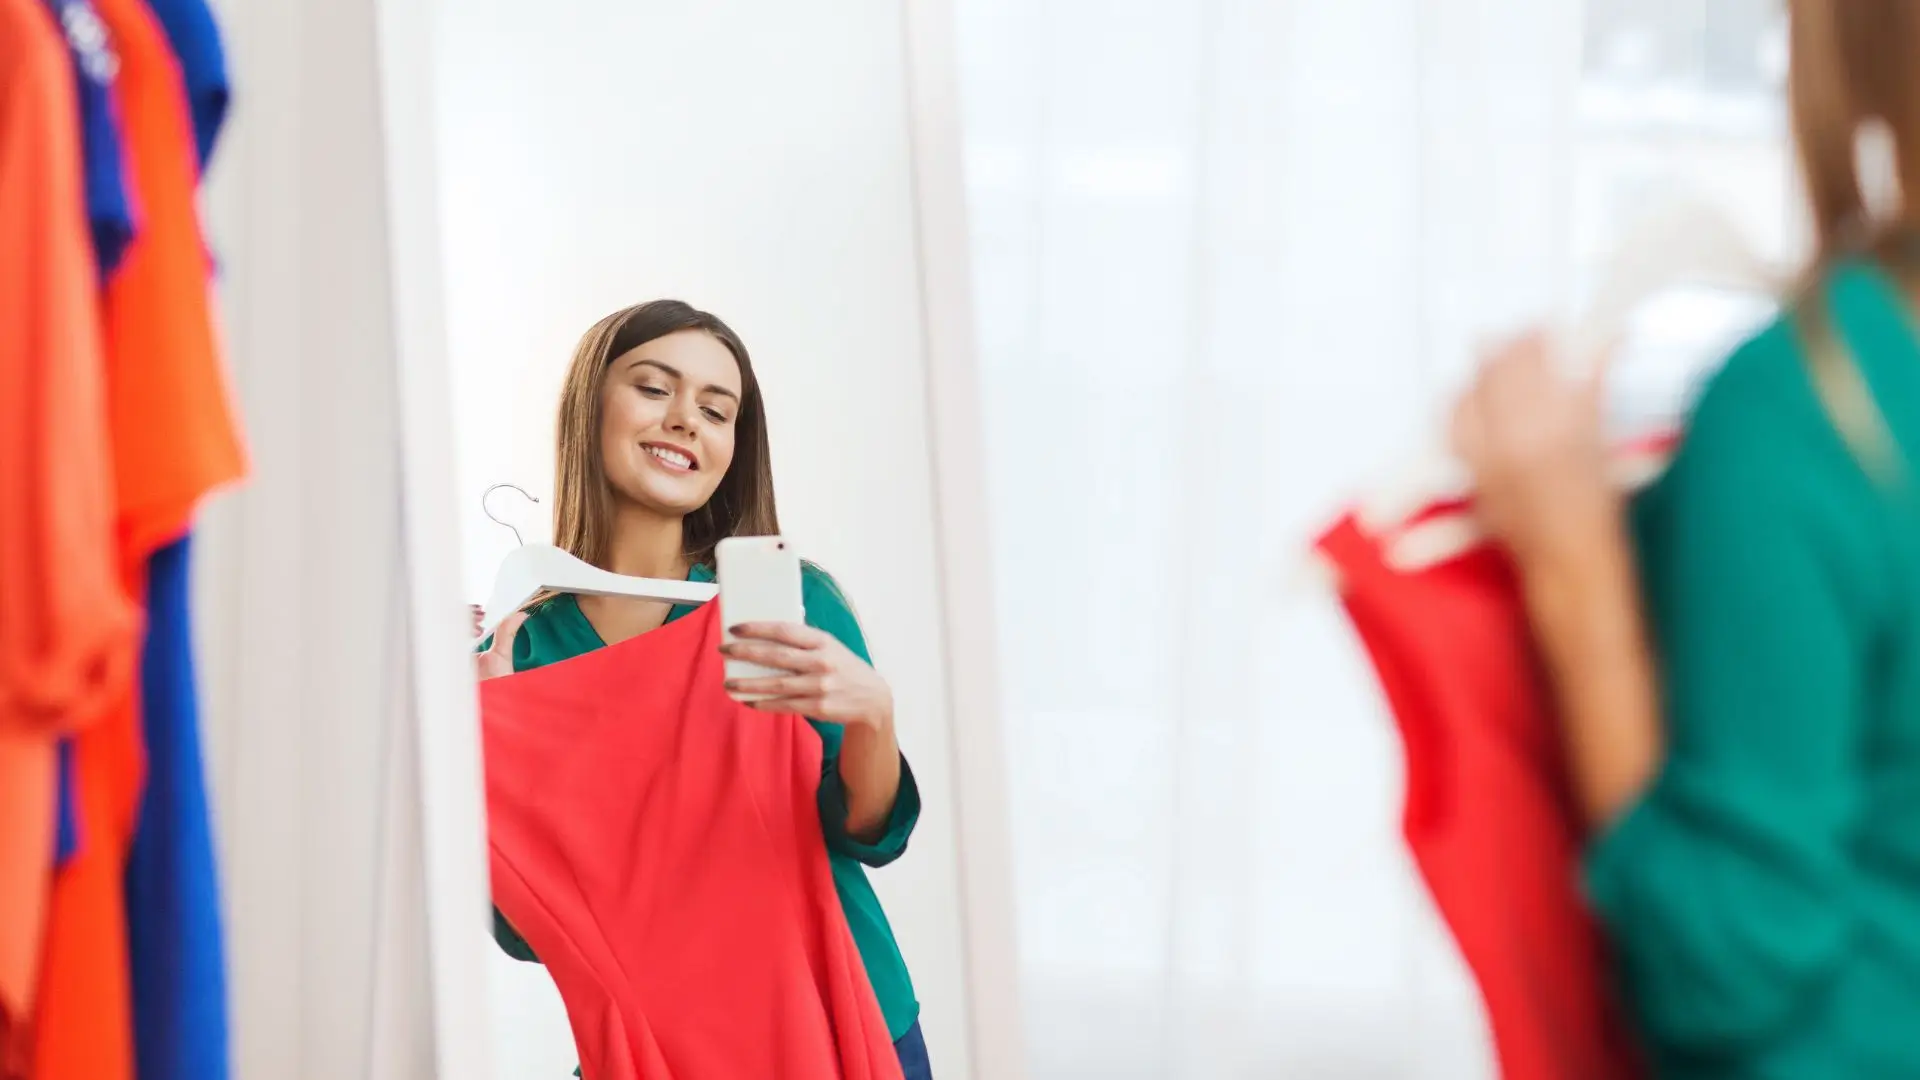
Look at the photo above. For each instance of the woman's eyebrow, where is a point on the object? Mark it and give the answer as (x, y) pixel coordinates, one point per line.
(673, 372)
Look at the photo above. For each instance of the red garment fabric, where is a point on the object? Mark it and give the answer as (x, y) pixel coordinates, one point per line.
(1489, 813)
(659, 847)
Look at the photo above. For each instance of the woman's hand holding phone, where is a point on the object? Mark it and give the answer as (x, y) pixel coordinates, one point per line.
(824, 680)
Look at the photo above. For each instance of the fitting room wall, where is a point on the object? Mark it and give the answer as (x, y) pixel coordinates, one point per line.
(753, 159)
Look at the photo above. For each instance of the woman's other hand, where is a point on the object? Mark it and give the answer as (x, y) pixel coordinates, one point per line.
(1532, 437)
(497, 660)
(825, 681)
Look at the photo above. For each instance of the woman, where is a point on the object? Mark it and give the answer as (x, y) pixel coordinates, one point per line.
(662, 454)
(1756, 792)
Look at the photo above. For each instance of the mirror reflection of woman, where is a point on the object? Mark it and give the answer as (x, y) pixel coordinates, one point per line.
(662, 453)
(1756, 792)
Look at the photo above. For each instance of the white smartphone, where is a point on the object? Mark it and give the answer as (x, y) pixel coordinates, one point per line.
(759, 582)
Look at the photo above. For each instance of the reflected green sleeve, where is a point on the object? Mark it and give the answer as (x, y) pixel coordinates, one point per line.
(827, 609)
(510, 941)
(504, 934)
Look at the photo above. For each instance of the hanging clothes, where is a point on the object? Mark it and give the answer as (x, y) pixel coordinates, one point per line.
(110, 209)
(195, 39)
(175, 435)
(178, 955)
(172, 891)
(172, 439)
(659, 846)
(1489, 815)
(66, 624)
(110, 214)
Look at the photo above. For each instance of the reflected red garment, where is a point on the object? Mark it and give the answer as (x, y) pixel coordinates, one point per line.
(1489, 814)
(659, 847)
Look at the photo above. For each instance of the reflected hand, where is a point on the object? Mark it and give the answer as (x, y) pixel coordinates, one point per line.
(824, 680)
(498, 660)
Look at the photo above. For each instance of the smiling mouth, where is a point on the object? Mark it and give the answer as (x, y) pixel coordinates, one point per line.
(678, 460)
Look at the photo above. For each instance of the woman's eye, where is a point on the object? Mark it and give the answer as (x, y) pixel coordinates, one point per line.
(716, 415)
(654, 391)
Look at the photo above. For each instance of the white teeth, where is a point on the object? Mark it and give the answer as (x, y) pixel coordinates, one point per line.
(671, 457)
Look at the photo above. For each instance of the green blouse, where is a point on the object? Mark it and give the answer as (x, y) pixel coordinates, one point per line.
(558, 630)
(1764, 893)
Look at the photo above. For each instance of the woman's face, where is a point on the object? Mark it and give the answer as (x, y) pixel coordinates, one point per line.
(667, 411)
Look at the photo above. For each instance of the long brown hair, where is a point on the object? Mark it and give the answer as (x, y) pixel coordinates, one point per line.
(742, 505)
(1852, 67)
(1852, 64)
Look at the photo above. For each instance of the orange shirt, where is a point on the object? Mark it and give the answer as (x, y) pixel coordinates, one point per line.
(173, 439)
(67, 627)
(174, 435)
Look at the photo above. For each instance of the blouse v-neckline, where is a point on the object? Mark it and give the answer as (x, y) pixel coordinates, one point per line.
(590, 635)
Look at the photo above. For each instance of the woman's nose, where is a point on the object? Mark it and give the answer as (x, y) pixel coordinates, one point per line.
(680, 416)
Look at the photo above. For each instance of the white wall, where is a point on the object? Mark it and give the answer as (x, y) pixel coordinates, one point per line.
(752, 159)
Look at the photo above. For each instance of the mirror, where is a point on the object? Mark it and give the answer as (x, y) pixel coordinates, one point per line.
(754, 162)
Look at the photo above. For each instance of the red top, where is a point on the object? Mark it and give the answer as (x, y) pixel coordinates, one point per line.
(659, 847)
(1489, 814)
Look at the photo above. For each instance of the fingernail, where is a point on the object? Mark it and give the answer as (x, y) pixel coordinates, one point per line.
(737, 629)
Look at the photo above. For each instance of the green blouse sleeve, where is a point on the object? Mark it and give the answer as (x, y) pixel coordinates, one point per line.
(504, 934)
(827, 609)
(1721, 885)
(510, 941)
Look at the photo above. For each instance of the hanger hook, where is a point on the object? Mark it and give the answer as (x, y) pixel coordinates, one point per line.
(497, 521)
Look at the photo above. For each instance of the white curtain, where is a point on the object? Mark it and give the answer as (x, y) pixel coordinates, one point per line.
(1230, 255)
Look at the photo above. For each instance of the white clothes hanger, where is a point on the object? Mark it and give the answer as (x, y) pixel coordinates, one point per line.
(1681, 242)
(531, 569)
